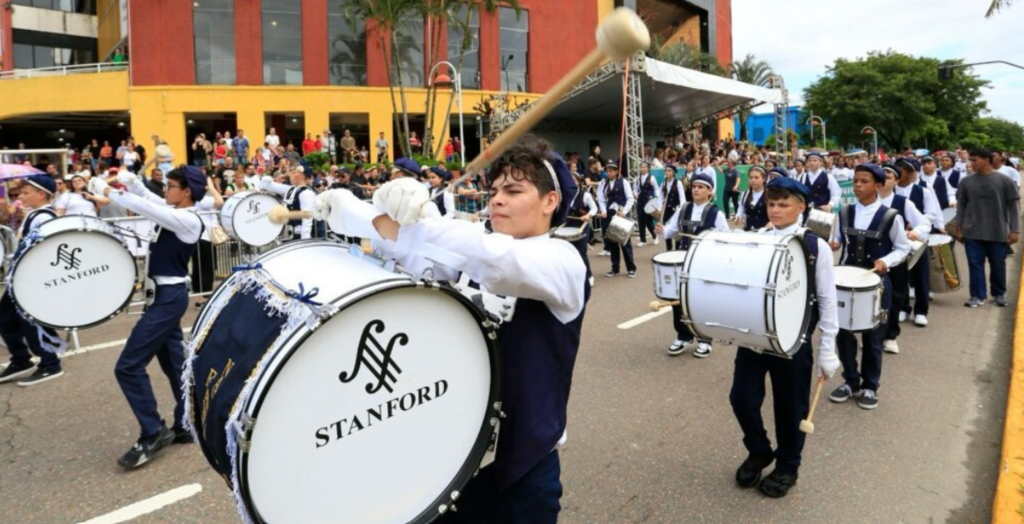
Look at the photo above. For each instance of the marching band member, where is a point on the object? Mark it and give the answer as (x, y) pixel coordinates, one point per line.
(753, 210)
(825, 192)
(645, 189)
(919, 226)
(673, 196)
(872, 237)
(158, 332)
(615, 195)
(790, 378)
(925, 201)
(932, 179)
(531, 191)
(298, 197)
(582, 210)
(19, 334)
(439, 193)
(692, 218)
(950, 173)
(798, 170)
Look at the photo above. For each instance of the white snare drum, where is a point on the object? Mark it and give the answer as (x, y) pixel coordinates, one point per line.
(365, 413)
(569, 233)
(651, 208)
(948, 215)
(668, 272)
(749, 289)
(76, 274)
(821, 223)
(246, 218)
(619, 229)
(859, 298)
(944, 276)
(916, 253)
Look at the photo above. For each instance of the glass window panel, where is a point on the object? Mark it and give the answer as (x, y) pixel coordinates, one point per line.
(466, 51)
(213, 26)
(346, 46)
(23, 58)
(409, 46)
(282, 42)
(515, 42)
(43, 57)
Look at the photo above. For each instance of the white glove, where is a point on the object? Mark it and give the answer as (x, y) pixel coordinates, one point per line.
(828, 363)
(264, 183)
(97, 186)
(328, 201)
(402, 200)
(127, 178)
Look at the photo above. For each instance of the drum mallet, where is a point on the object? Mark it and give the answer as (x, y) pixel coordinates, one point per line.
(656, 305)
(281, 215)
(806, 425)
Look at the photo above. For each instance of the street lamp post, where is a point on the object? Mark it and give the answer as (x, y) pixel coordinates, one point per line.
(824, 130)
(457, 86)
(874, 136)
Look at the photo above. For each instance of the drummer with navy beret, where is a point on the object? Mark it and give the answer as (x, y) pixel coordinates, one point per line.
(19, 334)
(693, 218)
(790, 378)
(157, 334)
(825, 192)
(673, 196)
(872, 237)
(753, 208)
(924, 199)
(615, 196)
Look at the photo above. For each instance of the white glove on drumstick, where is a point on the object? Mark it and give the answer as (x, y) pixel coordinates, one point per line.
(265, 183)
(402, 200)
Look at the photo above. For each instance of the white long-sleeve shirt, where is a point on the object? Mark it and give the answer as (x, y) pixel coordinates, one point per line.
(449, 200)
(824, 290)
(650, 182)
(897, 234)
(307, 200)
(756, 196)
(835, 193)
(932, 211)
(602, 198)
(75, 204)
(672, 224)
(950, 190)
(918, 222)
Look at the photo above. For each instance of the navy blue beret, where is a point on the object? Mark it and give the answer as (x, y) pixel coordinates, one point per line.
(795, 187)
(703, 179)
(873, 169)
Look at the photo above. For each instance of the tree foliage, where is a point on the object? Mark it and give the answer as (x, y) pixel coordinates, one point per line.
(900, 96)
(685, 55)
(998, 5)
(995, 133)
(751, 70)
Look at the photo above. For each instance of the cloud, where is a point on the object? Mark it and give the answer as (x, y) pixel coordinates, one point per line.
(801, 38)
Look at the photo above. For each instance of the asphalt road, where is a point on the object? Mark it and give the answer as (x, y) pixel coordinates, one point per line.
(652, 439)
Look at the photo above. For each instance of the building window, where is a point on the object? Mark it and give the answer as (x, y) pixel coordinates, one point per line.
(409, 46)
(213, 27)
(86, 7)
(466, 50)
(35, 50)
(346, 46)
(515, 48)
(282, 42)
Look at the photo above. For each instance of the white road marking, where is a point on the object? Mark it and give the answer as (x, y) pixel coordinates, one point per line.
(630, 324)
(147, 506)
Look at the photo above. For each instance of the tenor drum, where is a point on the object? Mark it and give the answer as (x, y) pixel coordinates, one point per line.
(944, 276)
(821, 223)
(916, 253)
(948, 215)
(246, 218)
(336, 404)
(748, 289)
(73, 273)
(668, 272)
(619, 229)
(858, 298)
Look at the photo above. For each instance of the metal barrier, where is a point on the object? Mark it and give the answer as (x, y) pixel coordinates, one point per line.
(77, 69)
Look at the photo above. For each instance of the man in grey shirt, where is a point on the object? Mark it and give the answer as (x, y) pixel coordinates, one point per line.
(987, 221)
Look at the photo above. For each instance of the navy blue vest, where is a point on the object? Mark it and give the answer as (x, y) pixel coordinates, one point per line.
(916, 197)
(646, 189)
(538, 354)
(695, 227)
(672, 196)
(940, 189)
(820, 194)
(899, 203)
(954, 178)
(169, 256)
(757, 214)
(863, 247)
(439, 200)
(615, 193)
(292, 199)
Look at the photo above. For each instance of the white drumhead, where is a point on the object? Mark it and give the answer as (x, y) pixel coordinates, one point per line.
(408, 444)
(651, 207)
(670, 258)
(249, 214)
(791, 287)
(74, 279)
(566, 232)
(852, 277)
(938, 240)
(948, 214)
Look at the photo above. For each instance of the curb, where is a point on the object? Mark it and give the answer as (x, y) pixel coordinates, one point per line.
(1008, 505)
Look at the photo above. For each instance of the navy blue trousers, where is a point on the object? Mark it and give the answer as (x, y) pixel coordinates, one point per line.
(617, 251)
(791, 394)
(900, 278)
(157, 334)
(683, 332)
(21, 335)
(978, 251)
(919, 279)
(533, 499)
(869, 373)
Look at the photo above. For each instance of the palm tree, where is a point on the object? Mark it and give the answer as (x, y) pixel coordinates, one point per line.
(689, 56)
(998, 5)
(754, 71)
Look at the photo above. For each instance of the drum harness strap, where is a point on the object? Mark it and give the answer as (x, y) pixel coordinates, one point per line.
(862, 235)
(691, 226)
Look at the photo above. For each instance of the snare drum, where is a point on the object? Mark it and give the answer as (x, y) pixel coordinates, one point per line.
(858, 298)
(651, 208)
(619, 230)
(668, 272)
(916, 253)
(748, 289)
(74, 273)
(944, 276)
(354, 410)
(821, 223)
(569, 233)
(246, 218)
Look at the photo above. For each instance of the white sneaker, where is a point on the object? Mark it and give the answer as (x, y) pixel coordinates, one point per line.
(678, 347)
(920, 320)
(931, 296)
(903, 316)
(641, 244)
(703, 350)
(604, 253)
(890, 346)
(912, 293)
(657, 240)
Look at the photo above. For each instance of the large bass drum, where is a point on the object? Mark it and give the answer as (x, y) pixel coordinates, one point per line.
(74, 273)
(371, 399)
(246, 218)
(749, 289)
(944, 274)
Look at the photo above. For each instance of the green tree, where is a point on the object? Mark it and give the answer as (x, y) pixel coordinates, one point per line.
(751, 70)
(998, 133)
(899, 95)
(998, 5)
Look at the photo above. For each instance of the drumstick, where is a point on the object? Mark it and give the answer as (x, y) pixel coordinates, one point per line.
(807, 426)
(281, 215)
(621, 35)
(656, 305)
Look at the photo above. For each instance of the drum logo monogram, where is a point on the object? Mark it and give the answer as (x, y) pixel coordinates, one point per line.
(254, 207)
(787, 266)
(376, 358)
(66, 256)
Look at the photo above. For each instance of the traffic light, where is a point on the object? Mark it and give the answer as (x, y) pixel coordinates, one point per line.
(945, 73)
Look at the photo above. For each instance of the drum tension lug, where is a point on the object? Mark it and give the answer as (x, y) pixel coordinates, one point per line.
(245, 426)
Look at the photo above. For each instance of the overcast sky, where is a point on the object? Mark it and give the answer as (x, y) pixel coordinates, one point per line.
(800, 38)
